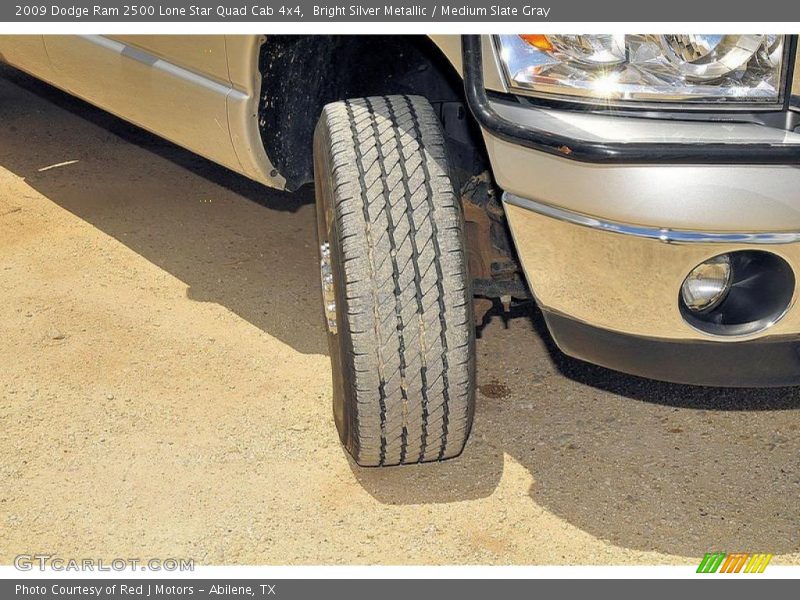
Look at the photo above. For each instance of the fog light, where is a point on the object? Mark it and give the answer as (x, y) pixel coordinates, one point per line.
(738, 293)
(707, 284)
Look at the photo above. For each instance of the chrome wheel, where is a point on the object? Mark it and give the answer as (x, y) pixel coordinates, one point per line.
(328, 292)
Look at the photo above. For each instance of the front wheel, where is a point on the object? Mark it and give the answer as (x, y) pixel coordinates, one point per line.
(397, 303)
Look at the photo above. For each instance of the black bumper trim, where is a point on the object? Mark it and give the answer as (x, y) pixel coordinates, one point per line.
(757, 363)
(607, 152)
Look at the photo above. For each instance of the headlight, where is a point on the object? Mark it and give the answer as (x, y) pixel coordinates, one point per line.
(611, 68)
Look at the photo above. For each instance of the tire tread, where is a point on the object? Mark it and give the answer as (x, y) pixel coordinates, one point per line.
(409, 313)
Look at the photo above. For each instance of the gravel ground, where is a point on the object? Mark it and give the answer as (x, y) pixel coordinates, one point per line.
(165, 392)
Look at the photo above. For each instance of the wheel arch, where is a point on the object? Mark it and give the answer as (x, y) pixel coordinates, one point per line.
(302, 73)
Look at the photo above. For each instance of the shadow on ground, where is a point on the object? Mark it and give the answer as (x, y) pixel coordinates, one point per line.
(645, 465)
(231, 240)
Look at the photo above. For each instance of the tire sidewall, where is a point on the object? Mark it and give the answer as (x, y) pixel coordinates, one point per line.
(343, 411)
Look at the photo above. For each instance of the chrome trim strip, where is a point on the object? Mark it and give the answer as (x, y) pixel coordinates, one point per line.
(668, 236)
(166, 67)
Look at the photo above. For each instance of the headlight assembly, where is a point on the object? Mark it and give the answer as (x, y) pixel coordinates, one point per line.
(616, 68)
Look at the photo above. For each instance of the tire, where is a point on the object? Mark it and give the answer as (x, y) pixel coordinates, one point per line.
(402, 337)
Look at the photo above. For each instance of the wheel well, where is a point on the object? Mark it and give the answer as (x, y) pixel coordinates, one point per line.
(302, 73)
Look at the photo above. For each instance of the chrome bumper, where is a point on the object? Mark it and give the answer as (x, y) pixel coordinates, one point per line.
(625, 278)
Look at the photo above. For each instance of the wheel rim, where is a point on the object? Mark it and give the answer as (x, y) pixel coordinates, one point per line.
(328, 289)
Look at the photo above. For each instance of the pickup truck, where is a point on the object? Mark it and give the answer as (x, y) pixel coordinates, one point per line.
(642, 189)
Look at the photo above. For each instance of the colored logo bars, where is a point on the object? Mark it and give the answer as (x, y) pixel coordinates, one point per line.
(739, 562)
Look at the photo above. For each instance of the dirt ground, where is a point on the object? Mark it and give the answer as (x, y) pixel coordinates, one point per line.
(165, 392)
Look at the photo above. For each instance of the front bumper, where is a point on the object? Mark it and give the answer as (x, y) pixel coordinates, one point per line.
(627, 278)
(767, 362)
(610, 214)
(610, 296)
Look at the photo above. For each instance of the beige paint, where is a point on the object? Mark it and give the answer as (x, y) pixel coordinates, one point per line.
(796, 75)
(203, 54)
(26, 52)
(242, 52)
